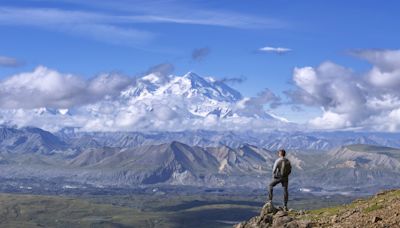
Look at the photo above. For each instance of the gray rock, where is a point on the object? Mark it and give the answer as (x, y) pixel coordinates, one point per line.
(281, 214)
(376, 219)
(281, 221)
(268, 208)
(298, 224)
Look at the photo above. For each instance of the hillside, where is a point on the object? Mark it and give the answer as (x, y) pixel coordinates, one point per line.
(381, 210)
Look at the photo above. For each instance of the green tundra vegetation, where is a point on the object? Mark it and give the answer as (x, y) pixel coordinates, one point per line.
(22, 210)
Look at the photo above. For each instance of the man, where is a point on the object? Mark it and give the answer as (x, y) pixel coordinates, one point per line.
(280, 174)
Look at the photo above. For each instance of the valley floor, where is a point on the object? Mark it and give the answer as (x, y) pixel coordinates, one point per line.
(140, 210)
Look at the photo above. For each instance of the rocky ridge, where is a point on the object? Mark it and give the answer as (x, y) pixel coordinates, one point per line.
(271, 216)
(380, 210)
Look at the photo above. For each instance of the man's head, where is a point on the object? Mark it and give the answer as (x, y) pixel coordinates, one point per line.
(282, 153)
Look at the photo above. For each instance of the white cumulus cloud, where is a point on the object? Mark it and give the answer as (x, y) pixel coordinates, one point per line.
(349, 99)
(45, 87)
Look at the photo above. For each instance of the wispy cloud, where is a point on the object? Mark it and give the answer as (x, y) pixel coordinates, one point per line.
(6, 61)
(181, 12)
(199, 54)
(210, 18)
(119, 27)
(87, 24)
(277, 50)
(233, 80)
(161, 71)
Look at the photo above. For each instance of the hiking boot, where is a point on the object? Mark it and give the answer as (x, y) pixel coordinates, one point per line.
(285, 208)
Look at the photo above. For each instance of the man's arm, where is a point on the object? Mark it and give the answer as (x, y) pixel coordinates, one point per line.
(275, 165)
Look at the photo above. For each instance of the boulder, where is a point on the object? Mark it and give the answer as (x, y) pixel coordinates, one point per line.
(271, 216)
(376, 219)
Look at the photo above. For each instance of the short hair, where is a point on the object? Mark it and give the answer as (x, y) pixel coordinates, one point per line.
(283, 152)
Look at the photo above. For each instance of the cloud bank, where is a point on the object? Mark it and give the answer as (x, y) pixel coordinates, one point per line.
(157, 101)
(352, 100)
(48, 88)
(365, 101)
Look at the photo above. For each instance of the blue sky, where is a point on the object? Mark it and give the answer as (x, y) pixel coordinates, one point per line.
(131, 36)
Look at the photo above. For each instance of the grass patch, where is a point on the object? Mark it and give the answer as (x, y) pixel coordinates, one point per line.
(373, 208)
(325, 211)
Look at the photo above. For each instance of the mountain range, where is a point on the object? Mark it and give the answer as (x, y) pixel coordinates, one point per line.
(274, 140)
(131, 160)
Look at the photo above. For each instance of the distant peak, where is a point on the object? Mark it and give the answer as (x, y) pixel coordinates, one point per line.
(192, 75)
(176, 143)
(246, 145)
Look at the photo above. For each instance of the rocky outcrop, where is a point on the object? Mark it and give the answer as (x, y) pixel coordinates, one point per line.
(381, 210)
(271, 216)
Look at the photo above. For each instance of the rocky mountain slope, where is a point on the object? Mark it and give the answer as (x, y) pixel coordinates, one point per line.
(102, 159)
(174, 163)
(381, 210)
(29, 140)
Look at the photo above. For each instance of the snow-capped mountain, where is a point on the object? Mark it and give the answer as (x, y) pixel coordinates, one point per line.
(190, 85)
(201, 96)
(156, 102)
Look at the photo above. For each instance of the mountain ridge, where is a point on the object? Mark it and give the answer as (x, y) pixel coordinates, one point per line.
(381, 210)
(126, 159)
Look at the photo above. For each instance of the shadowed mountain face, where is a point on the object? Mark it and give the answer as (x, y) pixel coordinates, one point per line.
(173, 162)
(29, 140)
(105, 159)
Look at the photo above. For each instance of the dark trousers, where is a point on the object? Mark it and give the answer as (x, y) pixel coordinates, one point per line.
(285, 183)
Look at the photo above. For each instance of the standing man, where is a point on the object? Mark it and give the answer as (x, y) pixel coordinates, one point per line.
(280, 174)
